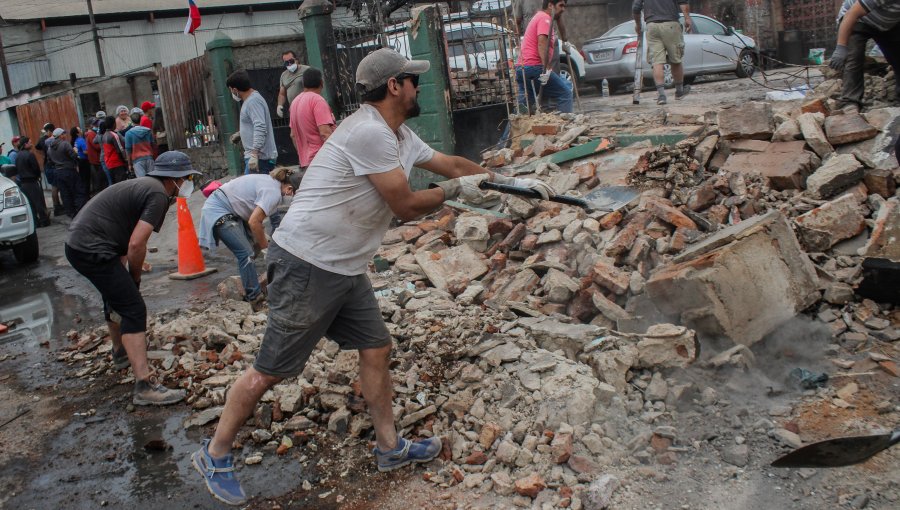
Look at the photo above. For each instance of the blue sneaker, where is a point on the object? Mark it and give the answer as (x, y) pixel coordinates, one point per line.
(407, 452)
(219, 476)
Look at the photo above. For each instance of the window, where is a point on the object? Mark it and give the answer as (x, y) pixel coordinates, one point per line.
(707, 26)
(623, 29)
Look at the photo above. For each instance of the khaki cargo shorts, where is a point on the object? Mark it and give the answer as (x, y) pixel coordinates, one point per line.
(665, 42)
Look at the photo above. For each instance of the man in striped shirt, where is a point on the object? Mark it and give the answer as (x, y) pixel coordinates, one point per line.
(859, 21)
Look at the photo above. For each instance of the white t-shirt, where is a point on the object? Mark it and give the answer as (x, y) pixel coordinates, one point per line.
(337, 218)
(248, 192)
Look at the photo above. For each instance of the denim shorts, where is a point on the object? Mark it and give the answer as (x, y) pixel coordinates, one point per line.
(307, 303)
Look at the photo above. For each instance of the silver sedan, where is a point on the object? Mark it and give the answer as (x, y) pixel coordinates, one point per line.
(710, 48)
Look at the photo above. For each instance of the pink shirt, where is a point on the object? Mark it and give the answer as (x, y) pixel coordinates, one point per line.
(309, 111)
(539, 25)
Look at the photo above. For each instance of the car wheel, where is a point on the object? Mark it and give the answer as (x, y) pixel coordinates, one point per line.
(27, 252)
(668, 79)
(746, 64)
(567, 75)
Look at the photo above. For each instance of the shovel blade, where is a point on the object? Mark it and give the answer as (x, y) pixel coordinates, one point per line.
(611, 198)
(838, 452)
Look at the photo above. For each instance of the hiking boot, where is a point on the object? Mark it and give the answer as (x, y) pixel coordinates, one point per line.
(685, 90)
(661, 100)
(407, 452)
(219, 476)
(151, 393)
(120, 359)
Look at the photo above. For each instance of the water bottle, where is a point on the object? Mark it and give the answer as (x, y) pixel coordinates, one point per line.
(605, 87)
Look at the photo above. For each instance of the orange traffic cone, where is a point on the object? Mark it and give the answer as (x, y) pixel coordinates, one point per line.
(190, 261)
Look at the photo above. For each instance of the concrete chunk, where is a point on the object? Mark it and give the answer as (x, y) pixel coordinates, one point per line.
(848, 128)
(838, 174)
(452, 268)
(741, 283)
(751, 120)
(810, 126)
(472, 229)
(834, 221)
(884, 242)
(783, 170)
(787, 131)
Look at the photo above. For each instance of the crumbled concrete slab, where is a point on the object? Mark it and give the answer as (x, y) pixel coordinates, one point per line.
(836, 175)
(848, 128)
(751, 120)
(834, 221)
(740, 283)
(811, 128)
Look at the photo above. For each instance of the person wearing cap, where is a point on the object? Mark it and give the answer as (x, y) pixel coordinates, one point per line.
(147, 109)
(65, 164)
(256, 131)
(290, 85)
(234, 214)
(28, 173)
(43, 144)
(107, 244)
(318, 258)
(92, 140)
(15, 149)
(139, 146)
(123, 118)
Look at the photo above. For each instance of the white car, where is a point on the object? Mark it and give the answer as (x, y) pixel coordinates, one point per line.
(17, 227)
(30, 318)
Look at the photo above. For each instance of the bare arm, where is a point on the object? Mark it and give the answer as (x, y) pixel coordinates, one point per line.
(282, 96)
(850, 18)
(294, 139)
(325, 131)
(561, 28)
(451, 167)
(405, 203)
(137, 249)
(544, 50)
(256, 227)
(688, 24)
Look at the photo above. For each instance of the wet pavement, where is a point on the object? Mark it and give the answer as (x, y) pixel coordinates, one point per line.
(71, 443)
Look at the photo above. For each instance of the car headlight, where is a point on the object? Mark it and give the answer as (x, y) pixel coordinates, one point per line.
(13, 198)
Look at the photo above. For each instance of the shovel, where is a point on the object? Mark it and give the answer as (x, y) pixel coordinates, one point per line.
(838, 452)
(609, 199)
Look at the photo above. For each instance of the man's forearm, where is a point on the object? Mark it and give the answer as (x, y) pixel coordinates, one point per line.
(544, 51)
(259, 234)
(136, 256)
(282, 97)
(463, 167)
(848, 22)
(561, 27)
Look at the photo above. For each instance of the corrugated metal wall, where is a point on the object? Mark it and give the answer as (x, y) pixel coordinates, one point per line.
(129, 45)
(185, 102)
(25, 75)
(60, 110)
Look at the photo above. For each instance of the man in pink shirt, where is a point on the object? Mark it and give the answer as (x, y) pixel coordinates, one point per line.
(534, 68)
(311, 119)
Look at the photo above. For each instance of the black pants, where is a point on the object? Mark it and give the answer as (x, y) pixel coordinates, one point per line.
(119, 292)
(71, 190)
(84, 173)
(854, 84)
(35, 194)
(98, 179)
(118, 174)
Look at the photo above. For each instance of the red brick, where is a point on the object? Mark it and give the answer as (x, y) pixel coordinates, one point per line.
(581, 464)
(585, 171)
(702, 197)
(500, 226)
(528, 243)
(545, 129)
(749, 146)
(666, 212)
(530, 486)
(610, 277)
(660, 444)
(476, 458)
(848, 128)
(718, 214)
(815, 105)
(880, 181)
(561, 448)
(621, 243)
(610, 220)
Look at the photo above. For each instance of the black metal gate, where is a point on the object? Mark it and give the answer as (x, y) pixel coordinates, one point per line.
(266, 79)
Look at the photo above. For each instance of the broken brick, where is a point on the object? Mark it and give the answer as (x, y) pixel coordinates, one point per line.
(561, 448)
(666, 212)
(811, 128)
(848, 128)
(750, 120)
(836, 175)
(783, 170)
(880, 181)
(585, 171)
(530, 486)
(815, 105)
(476, 458)
(545, 129)
(609, 276)
(834, 221)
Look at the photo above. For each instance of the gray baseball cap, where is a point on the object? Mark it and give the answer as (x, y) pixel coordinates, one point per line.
(173, 164)
(381, 65)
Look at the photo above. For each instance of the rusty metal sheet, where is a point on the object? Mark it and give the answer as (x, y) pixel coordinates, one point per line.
(58, 110)
(184, 99)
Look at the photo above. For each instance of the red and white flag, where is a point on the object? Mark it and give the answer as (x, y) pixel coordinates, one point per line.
(193, 21)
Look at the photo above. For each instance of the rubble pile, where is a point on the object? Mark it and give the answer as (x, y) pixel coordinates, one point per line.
(539, 340)
(880, 86)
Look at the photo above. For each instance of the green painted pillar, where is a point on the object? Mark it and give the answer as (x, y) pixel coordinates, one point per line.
(435, 123)
(319, 38)
(221, 63)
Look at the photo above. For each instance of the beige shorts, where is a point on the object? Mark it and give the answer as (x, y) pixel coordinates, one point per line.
(665, 42)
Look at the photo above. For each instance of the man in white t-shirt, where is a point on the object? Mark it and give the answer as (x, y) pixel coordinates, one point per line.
(318, 259)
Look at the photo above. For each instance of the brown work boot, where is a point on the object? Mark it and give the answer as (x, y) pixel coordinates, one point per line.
(150, 393)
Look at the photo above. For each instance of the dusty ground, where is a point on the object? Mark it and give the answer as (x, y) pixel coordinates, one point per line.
(77, 446)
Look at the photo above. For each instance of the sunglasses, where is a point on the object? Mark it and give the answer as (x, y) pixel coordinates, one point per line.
(413, 77)
(289, 62)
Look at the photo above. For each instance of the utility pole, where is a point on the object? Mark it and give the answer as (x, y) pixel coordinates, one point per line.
(4, 69)
(96, 39)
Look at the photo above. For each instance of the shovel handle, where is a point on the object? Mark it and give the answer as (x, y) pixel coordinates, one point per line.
(530, 193)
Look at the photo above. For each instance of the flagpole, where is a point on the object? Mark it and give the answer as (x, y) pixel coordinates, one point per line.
(196, 51)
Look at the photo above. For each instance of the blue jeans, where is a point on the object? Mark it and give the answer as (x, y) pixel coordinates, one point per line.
(234, 235)
(143, 166)
(265, 166)
(556, 88)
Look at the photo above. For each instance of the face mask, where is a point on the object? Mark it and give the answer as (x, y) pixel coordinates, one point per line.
(292, 68)
(235, 96)
(186, 188)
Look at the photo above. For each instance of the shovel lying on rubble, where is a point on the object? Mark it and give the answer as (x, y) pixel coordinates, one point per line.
(838, 452)
(608, 199)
